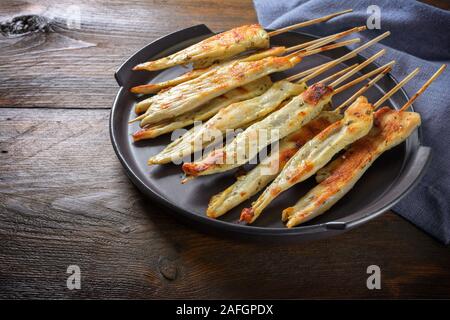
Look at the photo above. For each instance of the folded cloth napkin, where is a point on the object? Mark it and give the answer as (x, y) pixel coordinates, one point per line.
(420, 37)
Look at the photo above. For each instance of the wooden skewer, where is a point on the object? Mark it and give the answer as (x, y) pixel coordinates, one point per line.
(305, 53)
(308, 71)
(364, 88)
(347, 56)
(303, 73)
(360, 79)
(337, 74)
(355, 70)
(396, 88)
(323, 67)
(356, 81)
(325, 40)
(423, 88)
(307, 23)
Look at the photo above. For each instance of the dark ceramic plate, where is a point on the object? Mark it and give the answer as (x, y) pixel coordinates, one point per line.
(385, 183)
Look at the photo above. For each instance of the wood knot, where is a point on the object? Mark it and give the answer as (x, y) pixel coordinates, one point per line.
(167, 268)
(22, 25)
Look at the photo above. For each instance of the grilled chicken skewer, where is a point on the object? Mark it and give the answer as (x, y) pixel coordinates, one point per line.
(244, 94)
(234, 116)
(142, 106)
(357, 122)
(300, 110)
(391, 128)
(259, 177)
(274, 51)
(209, 109)
(248, 91)
(194, 93)
(156, 87)
(224, 45)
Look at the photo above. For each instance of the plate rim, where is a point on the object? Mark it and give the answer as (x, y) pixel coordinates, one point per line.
(243, 228)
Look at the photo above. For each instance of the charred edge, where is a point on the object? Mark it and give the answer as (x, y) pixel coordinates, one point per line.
(141, 134)
(193, 169)
(379, 114)
(316, 92)
(247, 215)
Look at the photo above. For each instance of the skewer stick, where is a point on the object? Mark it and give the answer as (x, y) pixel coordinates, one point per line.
(336, 36)
(356, 81)
(305, 53)
(308, 23)
(337, 74)
(360, 67)
(325, 40)
(423, 88)
(347, 56)
(308, 71)
(362, 78)
(396, 88)
(363, 89)
(303, 73)
(324, 67)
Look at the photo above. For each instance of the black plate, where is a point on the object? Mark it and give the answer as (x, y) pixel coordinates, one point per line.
(385, 183)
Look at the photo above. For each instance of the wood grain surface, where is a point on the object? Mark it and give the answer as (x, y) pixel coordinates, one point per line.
(65, 200)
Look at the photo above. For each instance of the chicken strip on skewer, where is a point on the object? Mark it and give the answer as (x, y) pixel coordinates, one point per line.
(259, 177)
(357, 122)
(299, 111)
(274, 51)
(248, 91)
(391, 128)
(222, 46)
(255, 180)
(238, 115)
(223, 104)
(156, 87)
(234, 116)
(194, 93)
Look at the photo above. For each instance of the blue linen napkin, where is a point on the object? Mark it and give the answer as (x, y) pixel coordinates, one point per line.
(420, 37)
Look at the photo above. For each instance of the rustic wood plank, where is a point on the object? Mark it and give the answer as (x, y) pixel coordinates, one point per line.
(64, 199)
(71, 67)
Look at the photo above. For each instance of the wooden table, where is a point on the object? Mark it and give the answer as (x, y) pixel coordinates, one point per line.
(65, 200)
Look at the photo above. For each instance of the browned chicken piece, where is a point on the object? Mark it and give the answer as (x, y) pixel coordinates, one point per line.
(213, 49)
(390, 128)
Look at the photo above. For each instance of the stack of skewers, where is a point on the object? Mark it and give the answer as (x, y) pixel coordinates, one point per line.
(229, 88)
